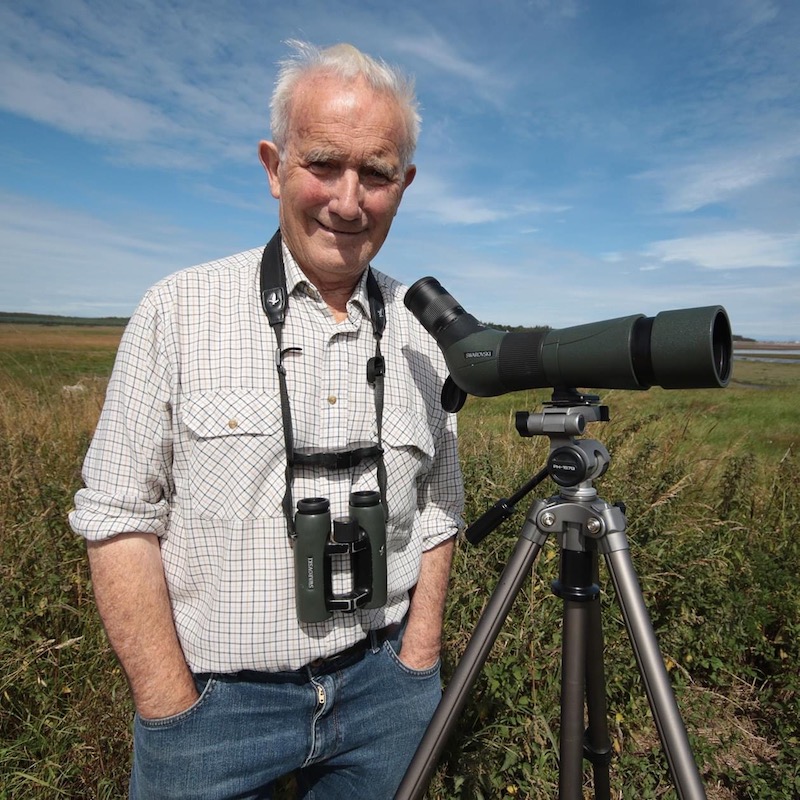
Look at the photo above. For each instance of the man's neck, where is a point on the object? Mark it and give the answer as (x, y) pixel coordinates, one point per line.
(337, 302)
(335, 294)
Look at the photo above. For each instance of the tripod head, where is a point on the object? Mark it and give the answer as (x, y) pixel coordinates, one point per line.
(572, 464)
(571, 461)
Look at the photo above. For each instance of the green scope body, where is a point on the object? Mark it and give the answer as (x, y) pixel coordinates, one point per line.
(680, 349)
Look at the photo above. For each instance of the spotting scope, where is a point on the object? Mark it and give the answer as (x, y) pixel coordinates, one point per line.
(681, 349)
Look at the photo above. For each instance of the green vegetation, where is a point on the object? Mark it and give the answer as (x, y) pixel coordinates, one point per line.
(21, 318)
(711, 480)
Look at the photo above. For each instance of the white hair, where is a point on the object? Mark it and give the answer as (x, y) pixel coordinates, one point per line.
(344, 61)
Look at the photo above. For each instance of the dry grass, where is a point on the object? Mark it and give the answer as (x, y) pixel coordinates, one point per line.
(58, 337)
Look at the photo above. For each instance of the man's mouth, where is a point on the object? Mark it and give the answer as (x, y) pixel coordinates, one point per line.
(339, 231)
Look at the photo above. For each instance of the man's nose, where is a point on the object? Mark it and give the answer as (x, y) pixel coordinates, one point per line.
(346, 198)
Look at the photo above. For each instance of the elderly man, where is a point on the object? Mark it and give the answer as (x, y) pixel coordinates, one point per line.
(240, 387)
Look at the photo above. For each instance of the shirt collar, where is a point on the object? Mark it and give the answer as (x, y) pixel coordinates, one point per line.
(296, 280)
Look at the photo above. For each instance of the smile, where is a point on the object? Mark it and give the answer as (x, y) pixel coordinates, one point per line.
(338, 232)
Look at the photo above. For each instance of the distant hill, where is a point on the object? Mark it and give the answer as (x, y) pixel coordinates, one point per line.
(518, 328)
(20, 318)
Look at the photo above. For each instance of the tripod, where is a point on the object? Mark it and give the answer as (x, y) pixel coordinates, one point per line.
(585, 525)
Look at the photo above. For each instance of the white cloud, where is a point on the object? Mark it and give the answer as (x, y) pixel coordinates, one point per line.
(433, 49)
(435, 198)
(74, 261)
(749, 15)
(731, 250)
(563, 8)
(80, 109)
(431, 197)
(161, 90)
(717, 177)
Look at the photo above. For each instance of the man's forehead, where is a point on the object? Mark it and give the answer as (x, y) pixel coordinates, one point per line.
(345, 108)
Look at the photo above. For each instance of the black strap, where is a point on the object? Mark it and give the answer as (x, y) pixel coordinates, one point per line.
(376, 369)
(273, 282)
(274, 300)
(336, 459)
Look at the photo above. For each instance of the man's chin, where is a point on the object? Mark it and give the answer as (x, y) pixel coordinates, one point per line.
(336, 262)
(320, 251)
(349, 255)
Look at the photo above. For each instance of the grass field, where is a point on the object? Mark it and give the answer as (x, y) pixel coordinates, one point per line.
(711, 481)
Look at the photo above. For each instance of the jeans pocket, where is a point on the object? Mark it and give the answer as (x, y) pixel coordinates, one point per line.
(428, 672)
(205, 684)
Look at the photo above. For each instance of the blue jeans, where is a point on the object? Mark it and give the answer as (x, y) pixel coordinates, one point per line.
(347, 729)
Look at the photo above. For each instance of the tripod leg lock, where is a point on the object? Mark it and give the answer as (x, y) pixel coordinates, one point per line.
(577, 594)
(599, 757)
(576, 577)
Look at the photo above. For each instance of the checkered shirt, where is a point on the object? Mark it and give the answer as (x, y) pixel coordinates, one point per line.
(190, 447)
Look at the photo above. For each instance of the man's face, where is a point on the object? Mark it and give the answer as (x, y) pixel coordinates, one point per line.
(340, 181)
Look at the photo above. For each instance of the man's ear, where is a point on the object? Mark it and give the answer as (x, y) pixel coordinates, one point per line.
(411, 173)
(268, 154)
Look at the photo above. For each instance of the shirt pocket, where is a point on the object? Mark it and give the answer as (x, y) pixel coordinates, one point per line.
(237, 460)
(408, 452)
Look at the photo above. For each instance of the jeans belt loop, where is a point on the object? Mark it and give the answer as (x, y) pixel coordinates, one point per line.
(375, 641)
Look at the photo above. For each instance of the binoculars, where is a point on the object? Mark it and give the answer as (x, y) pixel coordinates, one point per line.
(359, 538)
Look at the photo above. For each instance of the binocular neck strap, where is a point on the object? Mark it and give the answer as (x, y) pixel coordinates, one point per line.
(274, 301)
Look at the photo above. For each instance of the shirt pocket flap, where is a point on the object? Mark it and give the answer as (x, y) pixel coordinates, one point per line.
(405, 428)
(232, 412)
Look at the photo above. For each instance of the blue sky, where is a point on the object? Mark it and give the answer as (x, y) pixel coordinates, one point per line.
(579, 160)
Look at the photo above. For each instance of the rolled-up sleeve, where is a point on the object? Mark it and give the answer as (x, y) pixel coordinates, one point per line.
(127, 469)
(441, 495)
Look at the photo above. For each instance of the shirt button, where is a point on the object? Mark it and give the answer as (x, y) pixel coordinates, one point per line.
(332, 399)
(232, 423)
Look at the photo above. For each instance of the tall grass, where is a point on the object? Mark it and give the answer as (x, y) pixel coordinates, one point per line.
(712, 489)
(713, 537)
(63, 708)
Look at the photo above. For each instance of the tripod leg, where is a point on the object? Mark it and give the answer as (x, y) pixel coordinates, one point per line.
(454, 699)
(597, 745)
(573, 676)
(582, 674)
(668, 720)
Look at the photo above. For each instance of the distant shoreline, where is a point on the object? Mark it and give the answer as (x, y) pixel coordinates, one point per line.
(749, 345)
(26, 318)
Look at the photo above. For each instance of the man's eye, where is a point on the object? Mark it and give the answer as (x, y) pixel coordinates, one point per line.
(375, 176)
(320, 166)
